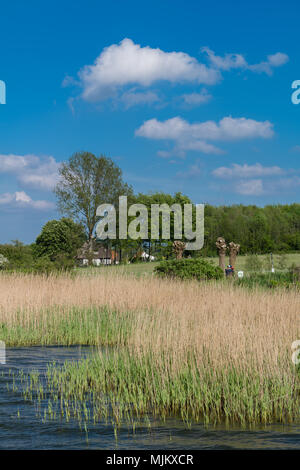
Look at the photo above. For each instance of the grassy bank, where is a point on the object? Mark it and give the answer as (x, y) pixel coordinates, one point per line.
(203, 351)
(146, 269)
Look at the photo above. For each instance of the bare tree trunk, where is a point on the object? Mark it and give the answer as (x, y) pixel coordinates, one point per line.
(90, 243)
(222, 247)
(90, 251)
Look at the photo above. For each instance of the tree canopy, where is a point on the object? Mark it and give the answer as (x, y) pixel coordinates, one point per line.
(86, 181)
(60, 238)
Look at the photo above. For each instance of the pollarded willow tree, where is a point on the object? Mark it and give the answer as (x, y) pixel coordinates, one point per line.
(178, 248)
(221, 247)
(86, 181)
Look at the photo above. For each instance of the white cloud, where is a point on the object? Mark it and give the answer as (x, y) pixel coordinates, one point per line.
(15, 163)
(275, 60)
(196, 99)
(128, 63)
(237, 61)
(228, 128)
(247, 171)
(278, 59)
(31, 170)
(44, 175)
(132, 98)
(195, 136)
(250, 188)
(255, 180)
(229, 61)
(199, 146)
(21, 199)
(257, 187)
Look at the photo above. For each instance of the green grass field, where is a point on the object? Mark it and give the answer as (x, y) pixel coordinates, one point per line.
(146, 269)
(291, 258)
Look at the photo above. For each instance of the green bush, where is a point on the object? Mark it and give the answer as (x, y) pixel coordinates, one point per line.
(18, 255)
(44, 265)
(194, 268)
(59, 238)
(3, 261)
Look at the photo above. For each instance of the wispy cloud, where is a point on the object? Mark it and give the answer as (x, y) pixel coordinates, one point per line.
(238, 61)
(250, 188)
(22, 200)
(31, 170)
(258, 187)
(132, 98)
(122, 66)
(275, 60)
(196, 136)
(196, 99)
(257, 180)
(229, 61)
(247, 171)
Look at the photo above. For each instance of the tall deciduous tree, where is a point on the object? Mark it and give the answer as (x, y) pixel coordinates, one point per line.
(86, 181)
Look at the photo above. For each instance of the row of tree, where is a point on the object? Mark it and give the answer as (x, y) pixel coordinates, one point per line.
(273, 228)
(87, 181)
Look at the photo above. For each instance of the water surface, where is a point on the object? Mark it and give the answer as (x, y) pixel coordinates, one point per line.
(22, 428)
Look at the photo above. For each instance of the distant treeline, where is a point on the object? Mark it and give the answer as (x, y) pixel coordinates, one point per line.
(260, 230)
(273, 228)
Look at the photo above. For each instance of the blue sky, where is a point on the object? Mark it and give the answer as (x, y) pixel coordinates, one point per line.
(185, 96)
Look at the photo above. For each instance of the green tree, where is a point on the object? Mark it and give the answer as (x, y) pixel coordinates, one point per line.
(60, 239)
(86, 181)
(18, 254)
(161, 247)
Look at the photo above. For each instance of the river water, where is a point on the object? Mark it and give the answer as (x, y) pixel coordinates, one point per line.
(22, 428)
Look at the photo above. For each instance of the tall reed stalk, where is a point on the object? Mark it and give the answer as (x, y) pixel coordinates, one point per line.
(187, 348)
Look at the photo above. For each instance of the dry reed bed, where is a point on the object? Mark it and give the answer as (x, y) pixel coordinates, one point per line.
(205, 350)
(229, 322)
